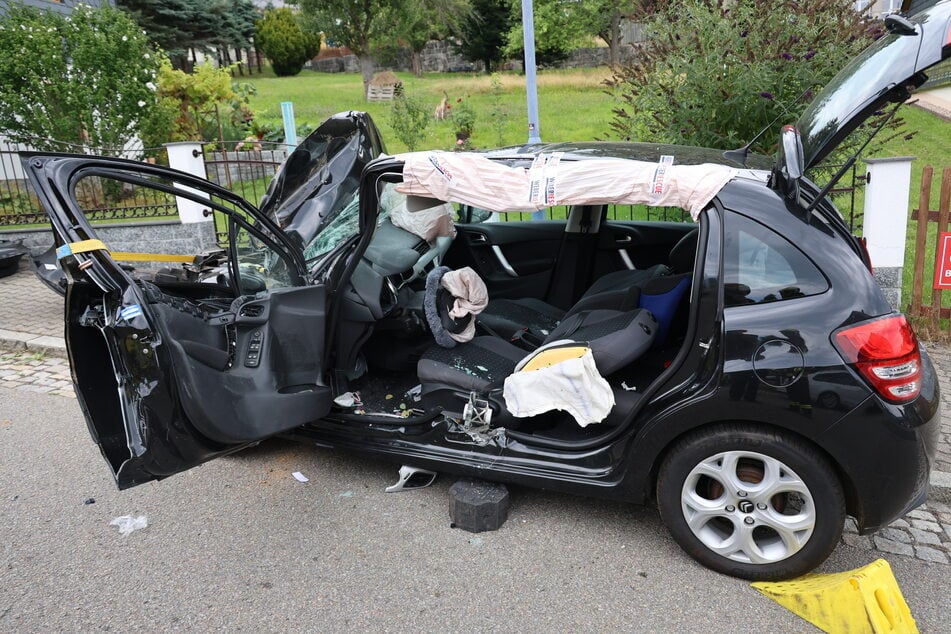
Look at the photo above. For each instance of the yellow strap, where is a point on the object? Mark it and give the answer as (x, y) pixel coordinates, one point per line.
(151, 257)
(85, 246)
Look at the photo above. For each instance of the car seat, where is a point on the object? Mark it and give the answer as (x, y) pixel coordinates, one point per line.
(448, 375)
(619, 290)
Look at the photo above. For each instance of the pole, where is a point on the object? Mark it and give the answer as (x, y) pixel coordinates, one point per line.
(531, 88)
(290, 128)
(528, 31)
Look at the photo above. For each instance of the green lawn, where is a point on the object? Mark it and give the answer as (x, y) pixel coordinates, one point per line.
(572, 104)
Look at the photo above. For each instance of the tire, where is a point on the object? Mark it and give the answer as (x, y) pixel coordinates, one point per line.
(751, 503)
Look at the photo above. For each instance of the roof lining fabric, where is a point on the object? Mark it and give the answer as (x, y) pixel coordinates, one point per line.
(476, 180)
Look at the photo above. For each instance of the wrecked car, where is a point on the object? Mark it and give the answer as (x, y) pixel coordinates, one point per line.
(742, 370)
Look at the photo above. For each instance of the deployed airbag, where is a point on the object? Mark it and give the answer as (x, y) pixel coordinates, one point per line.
(571, 384)
(474, 179)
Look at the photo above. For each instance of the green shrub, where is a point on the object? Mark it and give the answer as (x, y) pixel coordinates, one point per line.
(408, 118)
(714, 73)
(192, 106)
(280, 37)
(85, 79)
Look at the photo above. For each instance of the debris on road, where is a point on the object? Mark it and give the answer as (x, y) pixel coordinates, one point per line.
(128, 524)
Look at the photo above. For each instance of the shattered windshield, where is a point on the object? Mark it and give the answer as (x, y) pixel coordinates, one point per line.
(344, 225)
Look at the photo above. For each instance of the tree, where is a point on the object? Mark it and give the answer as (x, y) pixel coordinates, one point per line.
(356, 24)
(714, 73)
(420, 21)
(280, 36)
(177, 26)
(604, 17)
(85, 79)
(557, 31)
(483, 36)
(242, 27)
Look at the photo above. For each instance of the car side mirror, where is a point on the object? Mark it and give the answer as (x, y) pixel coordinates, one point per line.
(790, 164)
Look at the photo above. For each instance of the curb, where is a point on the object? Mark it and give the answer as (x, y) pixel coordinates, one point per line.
(18, 341)
(940, 486)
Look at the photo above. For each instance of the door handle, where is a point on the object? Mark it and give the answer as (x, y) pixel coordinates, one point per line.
(623, 238)
(478, 238)
(503, 262)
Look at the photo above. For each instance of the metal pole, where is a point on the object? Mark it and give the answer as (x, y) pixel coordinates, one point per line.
(528, 31)
(290, 127)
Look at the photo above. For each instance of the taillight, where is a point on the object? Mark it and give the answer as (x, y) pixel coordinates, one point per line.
(885, 352)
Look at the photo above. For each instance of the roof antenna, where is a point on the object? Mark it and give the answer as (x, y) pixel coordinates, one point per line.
(740, 154)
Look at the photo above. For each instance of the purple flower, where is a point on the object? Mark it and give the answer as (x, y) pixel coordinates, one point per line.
(745, 33)
(809, 94)
(766, 95)
(787, 56)
(809, 55)
(677, 36)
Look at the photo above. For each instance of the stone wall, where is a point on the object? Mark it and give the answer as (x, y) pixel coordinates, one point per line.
(226, 168)
(170, 237)
(442, 57)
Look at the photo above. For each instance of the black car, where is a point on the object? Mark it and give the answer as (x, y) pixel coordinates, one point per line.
(744, 372)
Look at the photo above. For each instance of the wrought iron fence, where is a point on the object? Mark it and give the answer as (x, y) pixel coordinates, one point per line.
(939, 75)
(101, 201)
(246, 171)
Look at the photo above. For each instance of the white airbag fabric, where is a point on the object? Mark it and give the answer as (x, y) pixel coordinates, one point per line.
(473, 179)
(572, 386)
(429, 219)
(471, 297)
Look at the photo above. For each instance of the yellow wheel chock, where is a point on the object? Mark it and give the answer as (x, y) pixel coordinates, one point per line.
(857, 601)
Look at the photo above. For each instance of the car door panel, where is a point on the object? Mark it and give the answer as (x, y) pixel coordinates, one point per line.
(169, 381)
(515, 259)
(631, 244)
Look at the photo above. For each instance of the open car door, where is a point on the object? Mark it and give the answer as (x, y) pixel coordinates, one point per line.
(172, 374)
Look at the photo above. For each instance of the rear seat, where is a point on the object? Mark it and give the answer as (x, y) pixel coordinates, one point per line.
(620, 290)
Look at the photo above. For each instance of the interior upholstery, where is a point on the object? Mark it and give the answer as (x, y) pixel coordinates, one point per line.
(616, 338)
(615, 290)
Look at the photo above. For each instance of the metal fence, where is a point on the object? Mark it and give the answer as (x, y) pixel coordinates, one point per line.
(246, 172)
(102, 201)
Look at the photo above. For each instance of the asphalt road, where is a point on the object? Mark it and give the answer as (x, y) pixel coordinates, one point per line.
(239, 544)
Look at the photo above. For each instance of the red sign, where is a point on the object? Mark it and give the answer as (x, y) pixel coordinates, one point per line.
(942, 267)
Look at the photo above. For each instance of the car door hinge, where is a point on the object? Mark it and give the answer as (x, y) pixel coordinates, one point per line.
(92, 317)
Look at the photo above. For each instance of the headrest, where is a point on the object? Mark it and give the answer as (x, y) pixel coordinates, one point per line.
(684, 253)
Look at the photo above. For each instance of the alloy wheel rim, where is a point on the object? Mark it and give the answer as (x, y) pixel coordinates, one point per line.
(748, 507)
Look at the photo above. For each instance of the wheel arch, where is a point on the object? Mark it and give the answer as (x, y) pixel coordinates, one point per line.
(649, 493)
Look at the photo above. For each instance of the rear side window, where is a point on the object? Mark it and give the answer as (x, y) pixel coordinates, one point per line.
(761, 266)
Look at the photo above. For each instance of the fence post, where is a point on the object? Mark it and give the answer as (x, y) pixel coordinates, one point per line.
(886, 220)
(187, 156)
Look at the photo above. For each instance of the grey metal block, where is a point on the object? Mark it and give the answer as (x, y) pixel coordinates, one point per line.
(477, 506)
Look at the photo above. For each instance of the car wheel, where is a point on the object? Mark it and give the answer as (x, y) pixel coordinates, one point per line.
(750, 503)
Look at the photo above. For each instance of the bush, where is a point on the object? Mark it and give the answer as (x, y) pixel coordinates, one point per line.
(408, 119)
(280, 37)
(191, 106)
(714, 73)
(86, 78)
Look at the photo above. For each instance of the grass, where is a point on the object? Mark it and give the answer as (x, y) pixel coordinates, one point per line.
(572, 104)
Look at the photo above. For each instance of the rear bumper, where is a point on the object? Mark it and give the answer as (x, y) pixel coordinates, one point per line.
(886, 452)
